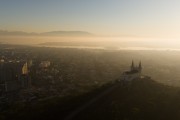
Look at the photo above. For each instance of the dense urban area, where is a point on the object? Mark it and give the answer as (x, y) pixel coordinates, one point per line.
(34, 75)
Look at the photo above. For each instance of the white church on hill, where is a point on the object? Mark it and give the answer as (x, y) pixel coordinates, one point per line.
(134, 72)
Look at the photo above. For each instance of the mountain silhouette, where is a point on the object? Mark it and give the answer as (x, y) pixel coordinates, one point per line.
(51, 33)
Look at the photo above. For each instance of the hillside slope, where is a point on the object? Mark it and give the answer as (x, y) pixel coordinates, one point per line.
(141, 99)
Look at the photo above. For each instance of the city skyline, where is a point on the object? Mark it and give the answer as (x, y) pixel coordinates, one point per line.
(153, 18)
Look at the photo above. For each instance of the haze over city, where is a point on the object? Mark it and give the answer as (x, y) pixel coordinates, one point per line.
(89, 59)
(112, 20)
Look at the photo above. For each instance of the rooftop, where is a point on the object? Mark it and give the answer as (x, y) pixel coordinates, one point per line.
(131, 72)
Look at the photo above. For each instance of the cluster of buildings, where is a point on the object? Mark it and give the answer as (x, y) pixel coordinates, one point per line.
(14, 75)
(44, 64)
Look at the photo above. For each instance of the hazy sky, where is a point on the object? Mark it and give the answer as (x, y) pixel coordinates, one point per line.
(149, 18)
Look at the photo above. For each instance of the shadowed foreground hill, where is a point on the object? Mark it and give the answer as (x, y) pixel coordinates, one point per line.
(142, 99)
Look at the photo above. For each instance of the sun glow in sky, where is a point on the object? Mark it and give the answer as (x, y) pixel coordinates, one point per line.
(143, 18)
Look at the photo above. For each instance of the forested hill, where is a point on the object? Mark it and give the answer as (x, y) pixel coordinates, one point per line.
(141, 99)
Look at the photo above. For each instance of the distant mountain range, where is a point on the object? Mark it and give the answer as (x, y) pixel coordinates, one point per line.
(51, 33)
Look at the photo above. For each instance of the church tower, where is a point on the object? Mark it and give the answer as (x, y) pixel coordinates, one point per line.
(140, 66)
(132, 66)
